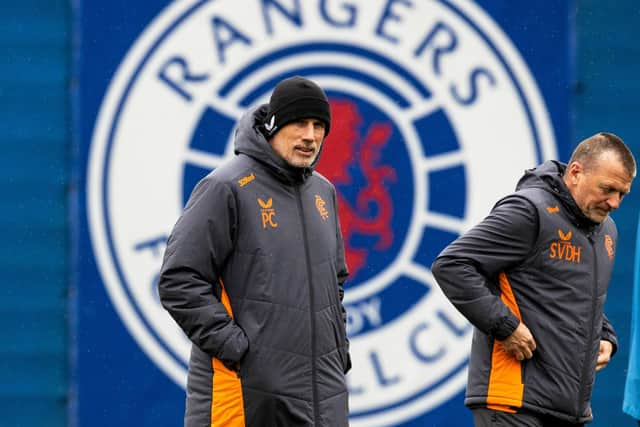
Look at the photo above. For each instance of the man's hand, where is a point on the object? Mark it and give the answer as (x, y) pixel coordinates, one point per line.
(520, 344)
(604, 355)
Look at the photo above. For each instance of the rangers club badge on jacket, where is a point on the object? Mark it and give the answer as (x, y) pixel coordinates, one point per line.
(427, 98)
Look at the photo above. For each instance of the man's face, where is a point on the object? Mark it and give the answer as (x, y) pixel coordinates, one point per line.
(599, 189)
(299, 142)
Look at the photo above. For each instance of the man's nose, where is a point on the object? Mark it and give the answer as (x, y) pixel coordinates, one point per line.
(309, 131)
(614, 201)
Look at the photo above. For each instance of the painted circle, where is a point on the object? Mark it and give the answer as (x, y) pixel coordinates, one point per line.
(437, 109)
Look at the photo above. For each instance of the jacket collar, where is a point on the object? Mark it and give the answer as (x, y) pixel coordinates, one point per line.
(251, 141)
(549, 176)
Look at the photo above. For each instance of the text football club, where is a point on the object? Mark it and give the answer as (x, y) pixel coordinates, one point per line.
(418, 91)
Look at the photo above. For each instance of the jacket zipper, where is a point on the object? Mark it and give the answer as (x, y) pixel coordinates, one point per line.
(586, 366)
(314, 374)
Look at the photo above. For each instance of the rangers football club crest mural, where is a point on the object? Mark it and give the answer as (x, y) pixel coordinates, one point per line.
(438, 107)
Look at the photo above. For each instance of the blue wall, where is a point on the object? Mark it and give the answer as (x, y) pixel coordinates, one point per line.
(35, 123)
(607, 94)
(35, 167)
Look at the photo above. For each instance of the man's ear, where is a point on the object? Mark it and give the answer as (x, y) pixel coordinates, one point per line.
(573, 170)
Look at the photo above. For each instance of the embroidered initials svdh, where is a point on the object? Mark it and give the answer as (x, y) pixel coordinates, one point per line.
(564, 250)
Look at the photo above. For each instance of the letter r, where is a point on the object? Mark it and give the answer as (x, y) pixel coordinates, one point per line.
(179, 83)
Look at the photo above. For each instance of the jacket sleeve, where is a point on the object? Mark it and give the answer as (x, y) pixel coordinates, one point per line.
(467, 269)
(197, 248)
(342, 274)
(609, 334)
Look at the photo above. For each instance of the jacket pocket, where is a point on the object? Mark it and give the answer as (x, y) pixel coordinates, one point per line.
(341, 348)
(340, 337)
(247, 362)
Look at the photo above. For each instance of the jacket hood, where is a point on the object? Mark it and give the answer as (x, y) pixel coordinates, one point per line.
(549, 176)
(250, 140)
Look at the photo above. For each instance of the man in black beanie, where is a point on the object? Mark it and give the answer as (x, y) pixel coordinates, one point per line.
(253, 273)
(297, 121)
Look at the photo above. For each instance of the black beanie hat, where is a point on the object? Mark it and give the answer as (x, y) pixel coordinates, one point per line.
(296, 98)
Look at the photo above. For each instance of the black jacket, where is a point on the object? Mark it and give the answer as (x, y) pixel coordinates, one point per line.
(538, 259)
(253, 274)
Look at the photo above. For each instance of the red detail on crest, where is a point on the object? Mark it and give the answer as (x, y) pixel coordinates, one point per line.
(344, 147)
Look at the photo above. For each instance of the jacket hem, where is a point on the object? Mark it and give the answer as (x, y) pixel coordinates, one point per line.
(481, 402)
